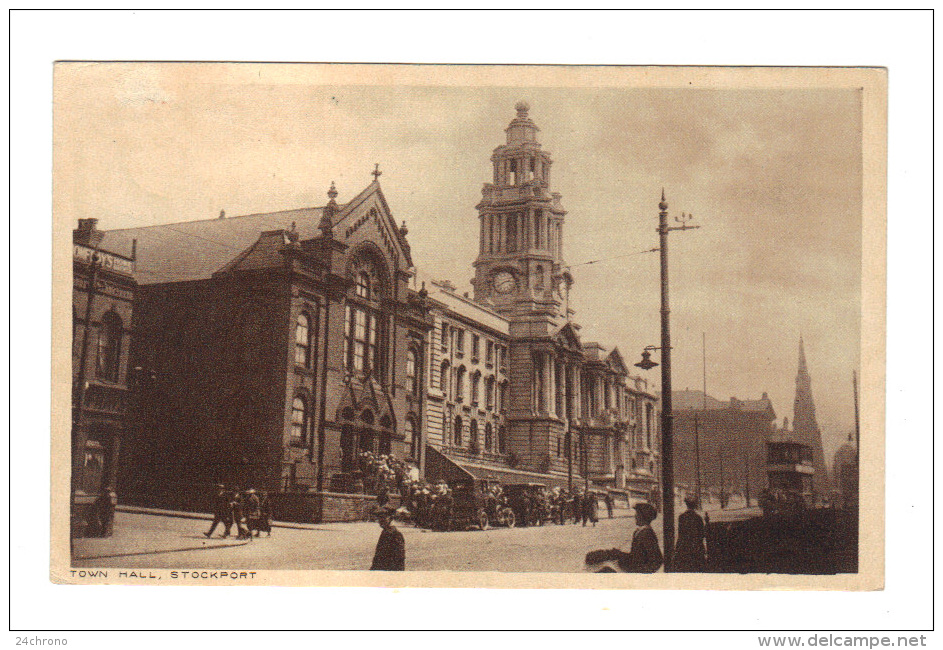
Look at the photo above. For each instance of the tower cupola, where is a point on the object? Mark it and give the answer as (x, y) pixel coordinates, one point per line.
(520, 266)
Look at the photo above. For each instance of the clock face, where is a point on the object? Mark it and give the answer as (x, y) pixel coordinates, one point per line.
(504, 282)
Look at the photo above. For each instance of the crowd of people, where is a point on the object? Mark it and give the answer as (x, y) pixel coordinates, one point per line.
(250, 511)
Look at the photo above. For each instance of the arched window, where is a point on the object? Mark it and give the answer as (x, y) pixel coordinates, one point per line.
(445, 336)
(473, 434)
(489, 437)
(299, 421)
(502, 440)
(303, 341)
(511, 232)
(489, 393)
(412, 378)
(457, 431)
(363, 285)
(475, 387)
(109, 347)
(538, 219)
(539, 277)
(445, 380)
(460, 383)
(363, 326)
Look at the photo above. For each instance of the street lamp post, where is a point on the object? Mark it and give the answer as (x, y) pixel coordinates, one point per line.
(667, 416)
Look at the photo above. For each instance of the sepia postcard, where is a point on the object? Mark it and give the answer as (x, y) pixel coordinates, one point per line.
(469, 326)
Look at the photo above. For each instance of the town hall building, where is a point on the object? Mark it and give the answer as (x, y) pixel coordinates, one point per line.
(282, 347)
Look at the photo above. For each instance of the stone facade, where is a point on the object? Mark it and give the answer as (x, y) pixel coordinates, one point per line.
(278, 359)
(103, 292)
(280, 346)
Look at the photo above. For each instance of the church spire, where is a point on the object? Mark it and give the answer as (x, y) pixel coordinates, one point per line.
(803, 368)
(804, 423)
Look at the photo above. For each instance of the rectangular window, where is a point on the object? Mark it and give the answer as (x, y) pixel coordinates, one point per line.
(348, 335)
(489, 352)
(360, 339)
(476, 347)
(460, 341)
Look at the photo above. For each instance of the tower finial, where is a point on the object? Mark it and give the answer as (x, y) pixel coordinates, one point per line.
(522, 107)
(663, 204)
(326, 225)
(376, 173)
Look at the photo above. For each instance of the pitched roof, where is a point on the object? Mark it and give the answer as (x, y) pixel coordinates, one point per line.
(693, 400)
(195, 250)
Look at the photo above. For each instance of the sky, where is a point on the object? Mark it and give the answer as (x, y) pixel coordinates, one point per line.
(772, 176)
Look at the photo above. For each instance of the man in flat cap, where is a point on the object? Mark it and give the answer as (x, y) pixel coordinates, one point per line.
(390, 554)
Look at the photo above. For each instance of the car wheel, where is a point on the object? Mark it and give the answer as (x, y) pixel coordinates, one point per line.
(511, 519)
(482, 520)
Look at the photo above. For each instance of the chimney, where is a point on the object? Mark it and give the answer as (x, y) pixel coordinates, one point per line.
(88, 233)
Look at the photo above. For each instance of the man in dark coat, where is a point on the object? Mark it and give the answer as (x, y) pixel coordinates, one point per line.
(253, 512)
(390, 554)
(590, 506)
(690, 554)
(609, 503)
(222, 511)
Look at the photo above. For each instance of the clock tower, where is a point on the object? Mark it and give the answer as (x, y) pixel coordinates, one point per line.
(520, 268)
(520, 273)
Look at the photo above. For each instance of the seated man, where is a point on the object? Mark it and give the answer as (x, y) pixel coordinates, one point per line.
(644, 556)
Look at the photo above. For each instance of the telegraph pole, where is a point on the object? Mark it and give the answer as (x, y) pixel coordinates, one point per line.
(667, 416)
(720, 455)
(697, 462)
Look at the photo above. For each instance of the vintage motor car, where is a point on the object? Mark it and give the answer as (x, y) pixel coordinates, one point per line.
(473, 505)
(529, 502)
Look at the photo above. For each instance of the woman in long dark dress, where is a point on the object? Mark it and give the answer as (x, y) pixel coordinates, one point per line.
(690, 554)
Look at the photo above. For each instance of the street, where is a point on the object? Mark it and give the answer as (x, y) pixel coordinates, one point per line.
(154, 541)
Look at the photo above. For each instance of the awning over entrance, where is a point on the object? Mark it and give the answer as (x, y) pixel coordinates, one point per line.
(440, 467)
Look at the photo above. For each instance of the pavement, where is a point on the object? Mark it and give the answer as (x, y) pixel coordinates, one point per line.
(146, 538)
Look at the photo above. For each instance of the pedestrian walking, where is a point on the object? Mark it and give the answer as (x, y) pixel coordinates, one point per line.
(609, 503)
(690, 554)
(590, 508)
(253, 513)
(222, 511)
(265, 507)
(103, 514)
(239, 518)
(576, 506)
(390, 554)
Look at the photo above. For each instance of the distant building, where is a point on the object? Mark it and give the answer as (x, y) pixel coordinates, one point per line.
(730, 442)
(103, 292)
(805, 426)
(845, 474)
